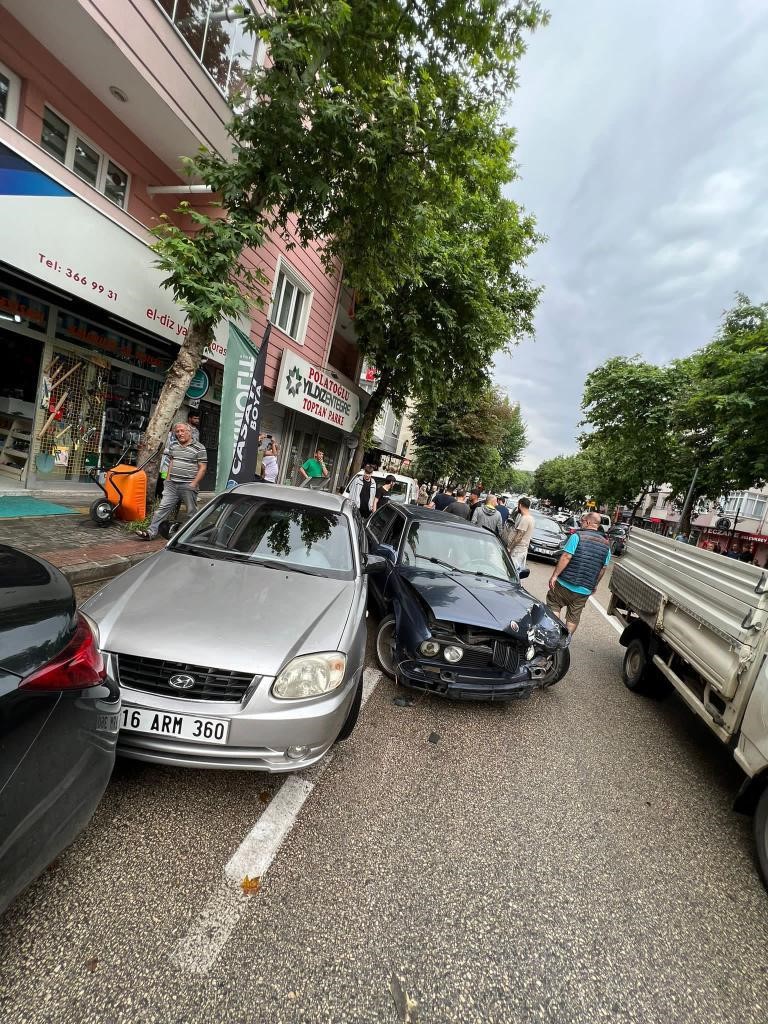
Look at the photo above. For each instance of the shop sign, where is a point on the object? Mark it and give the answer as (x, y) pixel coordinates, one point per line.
(72, 328)
(311, 390)
(80, 250)
(23, 310)
(199, 385)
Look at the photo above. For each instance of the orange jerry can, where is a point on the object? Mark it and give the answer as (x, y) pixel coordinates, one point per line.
(133, 487)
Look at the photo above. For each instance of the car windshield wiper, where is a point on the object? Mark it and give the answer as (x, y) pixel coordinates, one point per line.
(439, 561)
(488, 576)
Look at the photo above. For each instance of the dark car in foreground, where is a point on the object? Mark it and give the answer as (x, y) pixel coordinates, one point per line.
(455, 620)
(548, 539)
(58, 719)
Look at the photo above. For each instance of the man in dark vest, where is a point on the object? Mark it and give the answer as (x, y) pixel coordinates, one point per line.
(579, 570)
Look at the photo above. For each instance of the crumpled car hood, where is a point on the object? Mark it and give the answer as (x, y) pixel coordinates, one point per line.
(476, 600)
(232, 615)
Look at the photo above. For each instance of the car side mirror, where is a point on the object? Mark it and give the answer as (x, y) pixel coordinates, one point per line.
(523, 573)
(374, 565)
(385, 551)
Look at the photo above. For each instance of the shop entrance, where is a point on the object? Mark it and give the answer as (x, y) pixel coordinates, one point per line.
(21, 356)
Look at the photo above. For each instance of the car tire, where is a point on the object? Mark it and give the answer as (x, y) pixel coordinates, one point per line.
(760, 832)
(385, 640)
(639, 673)
(353, 714)
(559, 669)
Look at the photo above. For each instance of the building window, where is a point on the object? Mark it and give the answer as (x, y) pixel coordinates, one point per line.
(10, 88)
(68, 146)
(746, 505)
(290, 303)
(224, 48)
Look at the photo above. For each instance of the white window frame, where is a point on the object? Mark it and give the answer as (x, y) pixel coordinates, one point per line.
(104, 158)
(14, 95)
(302, 285)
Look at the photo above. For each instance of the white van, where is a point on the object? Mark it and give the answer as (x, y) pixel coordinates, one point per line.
(404, 491)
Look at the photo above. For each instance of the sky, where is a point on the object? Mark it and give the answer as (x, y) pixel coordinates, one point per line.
(642, 145)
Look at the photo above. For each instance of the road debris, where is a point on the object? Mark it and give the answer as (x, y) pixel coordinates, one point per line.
(407, 1008)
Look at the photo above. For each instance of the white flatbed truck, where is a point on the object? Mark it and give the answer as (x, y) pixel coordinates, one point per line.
(698, 621)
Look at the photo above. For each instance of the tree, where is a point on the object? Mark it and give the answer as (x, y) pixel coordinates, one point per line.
(731, 395)
(628, 405)
(474, 438)
(364, 118)
(566, 479)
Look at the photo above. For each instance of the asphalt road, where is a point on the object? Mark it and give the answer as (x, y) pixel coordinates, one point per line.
(568, 858)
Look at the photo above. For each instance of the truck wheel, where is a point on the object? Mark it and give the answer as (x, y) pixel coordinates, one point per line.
(760, 830)
(636, 669)
(385, 646)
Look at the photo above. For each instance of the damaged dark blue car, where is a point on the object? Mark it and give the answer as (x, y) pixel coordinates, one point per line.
(454, 618)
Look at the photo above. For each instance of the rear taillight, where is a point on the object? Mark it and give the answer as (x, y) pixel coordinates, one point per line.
(79, 665)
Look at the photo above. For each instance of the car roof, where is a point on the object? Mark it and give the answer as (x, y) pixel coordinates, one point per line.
(433, 515)
(325, 500)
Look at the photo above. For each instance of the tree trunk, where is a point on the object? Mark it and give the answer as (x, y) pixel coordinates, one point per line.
(372, 410)
(172, 395)
(688, 513)
(638, 503)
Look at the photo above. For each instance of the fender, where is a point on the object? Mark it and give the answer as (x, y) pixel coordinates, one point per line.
(411, 623)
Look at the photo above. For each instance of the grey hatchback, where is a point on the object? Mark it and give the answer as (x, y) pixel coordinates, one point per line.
(241, 644)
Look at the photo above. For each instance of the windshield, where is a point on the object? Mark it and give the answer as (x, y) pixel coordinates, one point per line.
(253, 528)
(466, 550)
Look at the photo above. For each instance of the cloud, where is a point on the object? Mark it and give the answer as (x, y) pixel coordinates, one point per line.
(644, 157)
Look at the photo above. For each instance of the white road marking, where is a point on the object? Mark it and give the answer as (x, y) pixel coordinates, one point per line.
(197, 952)
(608, 618)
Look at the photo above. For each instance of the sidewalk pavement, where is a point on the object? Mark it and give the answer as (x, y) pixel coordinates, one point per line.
(83, 551)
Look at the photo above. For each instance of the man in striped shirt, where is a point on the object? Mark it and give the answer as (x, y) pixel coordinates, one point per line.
(187, 466)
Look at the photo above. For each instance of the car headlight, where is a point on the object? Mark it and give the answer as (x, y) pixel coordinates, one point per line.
(430, 648)
(453, 654)
(310, 675)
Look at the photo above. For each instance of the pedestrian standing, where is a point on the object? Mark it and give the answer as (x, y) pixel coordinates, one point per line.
(522, 531)
(384, 493)
(475, 497)
(460, 507)
(362, 491)
(487, 516)
(423, 496)
(269, 464)
(444, 499)
(193, 422)
(187, 465)
(313, 470)
(579, 570)
(503, 511)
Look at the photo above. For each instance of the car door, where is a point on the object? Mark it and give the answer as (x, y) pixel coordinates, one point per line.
(385, 533)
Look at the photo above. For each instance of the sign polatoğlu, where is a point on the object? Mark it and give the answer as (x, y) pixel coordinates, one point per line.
(314, 392)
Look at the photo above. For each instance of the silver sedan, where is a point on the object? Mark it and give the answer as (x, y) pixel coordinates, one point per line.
(241, 644)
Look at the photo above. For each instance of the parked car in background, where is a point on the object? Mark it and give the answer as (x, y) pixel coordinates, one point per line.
(241, 644)
(404, 490)
(58, 719)
(455, 620)
(548, 539)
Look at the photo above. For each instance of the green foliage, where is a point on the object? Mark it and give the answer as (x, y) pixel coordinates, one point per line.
(474, 437)
(567, 479)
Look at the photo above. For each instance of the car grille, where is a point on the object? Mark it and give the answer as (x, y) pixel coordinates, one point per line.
(153, 676)
(506, 656)
(484, 650)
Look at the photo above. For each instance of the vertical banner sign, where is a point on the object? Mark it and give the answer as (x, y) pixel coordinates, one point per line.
(239, 364)
(247, 441)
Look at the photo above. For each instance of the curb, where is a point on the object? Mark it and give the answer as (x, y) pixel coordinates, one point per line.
(97, 572)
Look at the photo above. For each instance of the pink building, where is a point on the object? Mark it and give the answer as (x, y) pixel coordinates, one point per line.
(99, 100)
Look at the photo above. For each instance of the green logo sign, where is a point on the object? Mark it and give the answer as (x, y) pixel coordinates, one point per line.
(293, 381)
(199, 385)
